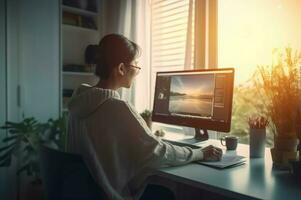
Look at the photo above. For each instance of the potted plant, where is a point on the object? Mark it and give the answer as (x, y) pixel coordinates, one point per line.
(280, 86)
(296, 165)
(23, 140)
(147, 116)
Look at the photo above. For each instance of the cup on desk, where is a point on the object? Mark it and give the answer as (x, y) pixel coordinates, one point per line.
(257, 142)
(230, 142)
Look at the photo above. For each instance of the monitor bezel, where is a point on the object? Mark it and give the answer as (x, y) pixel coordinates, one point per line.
(197, 123)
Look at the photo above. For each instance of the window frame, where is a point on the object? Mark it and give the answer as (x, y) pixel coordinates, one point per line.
(205, 49)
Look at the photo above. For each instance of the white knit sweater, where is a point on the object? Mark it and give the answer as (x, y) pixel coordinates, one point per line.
(116, 144)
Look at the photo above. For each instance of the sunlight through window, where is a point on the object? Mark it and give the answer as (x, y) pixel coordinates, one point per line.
(249, 30)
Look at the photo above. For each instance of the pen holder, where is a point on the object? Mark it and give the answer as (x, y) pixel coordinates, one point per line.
(257, 142)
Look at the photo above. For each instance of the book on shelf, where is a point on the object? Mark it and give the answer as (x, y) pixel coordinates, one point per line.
(67, 93)
(88, 68)
(74, 68)
(65, 102)
(89, 5)
(70, 19)
(79, 20)
(88, 22)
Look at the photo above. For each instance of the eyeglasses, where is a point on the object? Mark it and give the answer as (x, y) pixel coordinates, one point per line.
(139, 68)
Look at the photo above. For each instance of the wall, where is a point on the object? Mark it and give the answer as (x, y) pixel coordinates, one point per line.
(33, 58)
(3, 171)
(12, 23)
(39, 54)
(29, 60)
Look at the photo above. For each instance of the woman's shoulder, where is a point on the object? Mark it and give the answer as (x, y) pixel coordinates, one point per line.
(116, 102)
(121, 105)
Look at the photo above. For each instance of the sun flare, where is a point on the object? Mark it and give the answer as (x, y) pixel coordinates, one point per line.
(249, 30)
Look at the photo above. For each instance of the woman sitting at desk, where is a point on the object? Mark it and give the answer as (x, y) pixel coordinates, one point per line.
(114, 141)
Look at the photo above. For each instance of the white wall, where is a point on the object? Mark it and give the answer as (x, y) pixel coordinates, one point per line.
(3, 171)
(13, 110)
(39, 57)
(33, 54)
(33, 51)
(33, 63)
(34, 58)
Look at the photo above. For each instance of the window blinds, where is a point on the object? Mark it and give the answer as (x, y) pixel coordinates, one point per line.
(172, 33)
(169, 29)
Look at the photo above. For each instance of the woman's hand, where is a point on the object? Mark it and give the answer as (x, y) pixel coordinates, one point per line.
(211, 153)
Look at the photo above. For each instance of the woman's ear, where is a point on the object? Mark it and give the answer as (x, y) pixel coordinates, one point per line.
(121, 69)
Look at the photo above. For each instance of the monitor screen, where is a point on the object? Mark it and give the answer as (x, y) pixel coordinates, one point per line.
(198, 98)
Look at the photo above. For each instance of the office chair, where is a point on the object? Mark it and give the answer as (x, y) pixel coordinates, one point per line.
(66, 177)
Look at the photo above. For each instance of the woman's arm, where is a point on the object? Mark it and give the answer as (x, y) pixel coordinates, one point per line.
(149, 150)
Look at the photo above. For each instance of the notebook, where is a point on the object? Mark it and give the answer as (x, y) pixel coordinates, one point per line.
(225, 162)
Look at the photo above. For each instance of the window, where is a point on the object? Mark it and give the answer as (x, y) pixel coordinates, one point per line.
(183, 36)
(246, 39)
(172, 33)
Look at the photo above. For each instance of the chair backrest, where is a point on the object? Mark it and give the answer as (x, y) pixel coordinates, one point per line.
(65, 176)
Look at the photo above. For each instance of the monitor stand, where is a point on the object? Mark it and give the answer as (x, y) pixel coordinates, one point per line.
(201, 135)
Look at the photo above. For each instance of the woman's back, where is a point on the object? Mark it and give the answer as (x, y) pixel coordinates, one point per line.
(115, 142)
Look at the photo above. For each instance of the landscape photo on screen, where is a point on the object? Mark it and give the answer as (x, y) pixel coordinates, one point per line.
(192, 95)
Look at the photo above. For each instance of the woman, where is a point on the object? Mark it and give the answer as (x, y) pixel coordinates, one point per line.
(116, 144)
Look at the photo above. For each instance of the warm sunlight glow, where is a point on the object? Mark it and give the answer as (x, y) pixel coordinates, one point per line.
(249, 30)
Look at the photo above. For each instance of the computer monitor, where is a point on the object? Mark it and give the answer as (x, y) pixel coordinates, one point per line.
(201, 99)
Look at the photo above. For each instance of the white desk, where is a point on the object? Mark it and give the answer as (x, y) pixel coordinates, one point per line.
(254, 180)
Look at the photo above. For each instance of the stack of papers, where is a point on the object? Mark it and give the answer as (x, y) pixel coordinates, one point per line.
(226, 161)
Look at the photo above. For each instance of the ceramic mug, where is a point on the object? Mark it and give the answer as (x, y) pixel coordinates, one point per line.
(230, 142)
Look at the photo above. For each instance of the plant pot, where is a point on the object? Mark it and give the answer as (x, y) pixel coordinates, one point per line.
(148, 121)
(296, 169)
(282, 158)
(285, 150)
(286, 144)
(34, 190)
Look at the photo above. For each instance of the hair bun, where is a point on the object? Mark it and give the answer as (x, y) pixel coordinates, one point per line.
(91, 54)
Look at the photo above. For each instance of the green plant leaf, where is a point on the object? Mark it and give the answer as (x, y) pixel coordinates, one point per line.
(28, 148)
(23, 168)
(6, 154)
(8, 146)
(8, 139)
(14, 131)
(6, 162)
(4, 127)
(10, 124)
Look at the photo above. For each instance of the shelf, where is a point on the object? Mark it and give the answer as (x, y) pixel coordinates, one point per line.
(79, 11)
(78, 73)
(79, 28)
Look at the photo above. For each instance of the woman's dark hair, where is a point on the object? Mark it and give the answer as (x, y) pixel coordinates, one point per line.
(112, 50)
(91, 54)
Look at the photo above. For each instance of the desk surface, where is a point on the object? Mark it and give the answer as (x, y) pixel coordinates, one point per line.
(254, 180)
